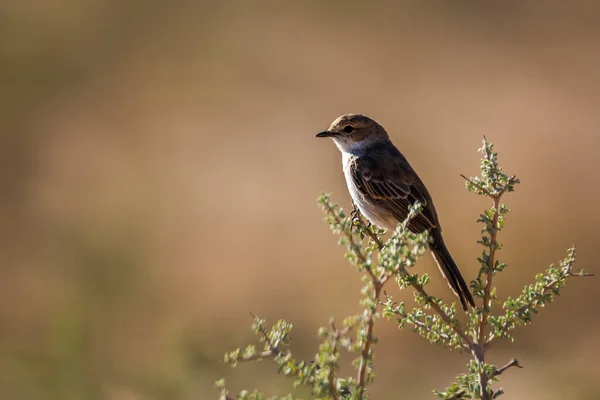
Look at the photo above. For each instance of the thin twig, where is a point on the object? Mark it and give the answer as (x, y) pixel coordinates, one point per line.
(490, 271)
(258, 356)
(458, 395)
(366, 350)
(468, 342)
(273, 348)
(378, 286)
(477, 185)
(490, 274)
(512, 363)
(334, 344)
(417, 323)
(355, 247)
(486, 306)
(567, 273)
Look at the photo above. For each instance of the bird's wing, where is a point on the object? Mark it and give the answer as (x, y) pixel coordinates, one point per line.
(394, 189)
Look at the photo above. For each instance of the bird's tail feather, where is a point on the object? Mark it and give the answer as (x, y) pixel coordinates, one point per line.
(452, 274)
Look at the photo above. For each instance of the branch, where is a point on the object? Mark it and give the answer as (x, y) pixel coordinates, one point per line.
(486, 306)
(419, 324)
(490, 273)
(566, 273)
(274, 349)
(453, 324)
(477, 185)
(462, 394)
(258, 356)
(469, 344)
(378, 283)
(366, 350)
(356, 248)
(334, 344)
(491, 171)
(458, 395)
(512, 363)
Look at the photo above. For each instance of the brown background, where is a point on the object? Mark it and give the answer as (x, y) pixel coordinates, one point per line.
(159, 176)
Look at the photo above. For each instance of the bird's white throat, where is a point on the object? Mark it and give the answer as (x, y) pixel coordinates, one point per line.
(351, 146)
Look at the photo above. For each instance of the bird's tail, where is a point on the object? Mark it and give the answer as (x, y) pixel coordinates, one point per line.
(450, 271)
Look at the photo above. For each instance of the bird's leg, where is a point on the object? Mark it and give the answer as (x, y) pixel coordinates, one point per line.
(358, 221)
(355, 214)
(361, 228)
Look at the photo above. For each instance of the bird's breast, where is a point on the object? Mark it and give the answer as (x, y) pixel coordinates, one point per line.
(372, 211)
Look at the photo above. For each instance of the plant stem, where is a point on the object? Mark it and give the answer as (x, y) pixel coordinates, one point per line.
(334, 345)
(366, 350)
(567, 273)
(486, 307)
(356, 247)
(490, 274)
(469, 344)
(378, 283)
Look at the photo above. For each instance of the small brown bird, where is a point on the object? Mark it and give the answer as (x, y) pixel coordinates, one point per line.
(383, 185)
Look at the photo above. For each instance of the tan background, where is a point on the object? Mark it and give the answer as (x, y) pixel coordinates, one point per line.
(159, 177)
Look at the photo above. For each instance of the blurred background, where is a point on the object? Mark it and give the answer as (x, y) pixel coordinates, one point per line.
(159, 176)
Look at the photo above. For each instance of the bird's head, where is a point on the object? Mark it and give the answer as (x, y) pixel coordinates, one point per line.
(353, 131)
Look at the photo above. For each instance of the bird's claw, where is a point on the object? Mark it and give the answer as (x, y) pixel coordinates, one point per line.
(356, 218)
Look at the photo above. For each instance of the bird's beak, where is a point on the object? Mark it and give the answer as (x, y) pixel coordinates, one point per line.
(326, 134)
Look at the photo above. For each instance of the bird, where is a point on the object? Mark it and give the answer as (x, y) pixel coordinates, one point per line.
(383, 185)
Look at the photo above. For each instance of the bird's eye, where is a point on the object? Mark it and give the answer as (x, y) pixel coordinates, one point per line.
(348, 129)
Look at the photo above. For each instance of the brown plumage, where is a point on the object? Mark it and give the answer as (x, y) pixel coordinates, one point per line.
(384, 186)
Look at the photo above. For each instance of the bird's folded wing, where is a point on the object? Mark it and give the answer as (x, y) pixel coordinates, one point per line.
(392, 192)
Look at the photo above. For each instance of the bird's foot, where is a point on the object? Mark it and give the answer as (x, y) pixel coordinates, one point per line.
(361, 228)
(355, 215)
(357, 220)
